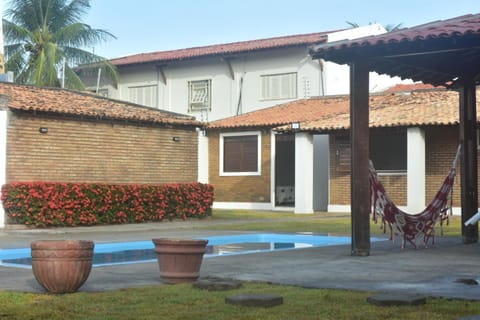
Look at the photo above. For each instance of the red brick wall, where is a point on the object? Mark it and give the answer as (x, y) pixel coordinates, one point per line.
(97, 151)
(239, 188)
(340, 193)
(441, 145)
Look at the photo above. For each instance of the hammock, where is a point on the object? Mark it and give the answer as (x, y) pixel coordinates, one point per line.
(412, 226)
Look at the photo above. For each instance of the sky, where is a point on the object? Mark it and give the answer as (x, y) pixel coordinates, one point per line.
(142, 26)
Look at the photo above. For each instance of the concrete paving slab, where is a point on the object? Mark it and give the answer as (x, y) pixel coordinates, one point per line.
(433, 271)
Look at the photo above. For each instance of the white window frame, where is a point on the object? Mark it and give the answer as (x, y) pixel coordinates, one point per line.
(268, 87)
(201, 99)
(259, 153)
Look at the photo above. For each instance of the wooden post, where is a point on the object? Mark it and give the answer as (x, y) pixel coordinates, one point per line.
(359, 139)
(468, 137)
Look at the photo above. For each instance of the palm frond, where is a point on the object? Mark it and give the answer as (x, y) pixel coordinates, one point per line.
(40, 34)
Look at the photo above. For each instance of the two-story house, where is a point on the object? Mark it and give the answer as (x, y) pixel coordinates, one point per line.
(224, 80)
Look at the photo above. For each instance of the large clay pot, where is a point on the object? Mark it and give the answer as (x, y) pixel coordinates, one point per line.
(179, 259)
(61, 266)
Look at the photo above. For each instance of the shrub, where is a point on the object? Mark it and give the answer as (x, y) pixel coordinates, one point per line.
(44, 204)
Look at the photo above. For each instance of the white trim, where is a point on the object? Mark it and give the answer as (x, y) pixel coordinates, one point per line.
(338, 208)
(259, 153)
(456, 211)
(202, 157)
(273, 152)
(286, 209)
(3, 158)
(242, 205)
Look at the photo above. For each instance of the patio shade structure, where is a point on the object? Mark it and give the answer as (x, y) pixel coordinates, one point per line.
(440, 53)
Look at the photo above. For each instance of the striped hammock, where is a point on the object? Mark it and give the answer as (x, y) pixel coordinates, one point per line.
(412, 227)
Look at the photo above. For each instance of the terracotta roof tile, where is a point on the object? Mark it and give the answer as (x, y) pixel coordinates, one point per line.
(411, 87)
(296, 111)
(224, 49)
(81, 104)
(416, 108)
(458, 26)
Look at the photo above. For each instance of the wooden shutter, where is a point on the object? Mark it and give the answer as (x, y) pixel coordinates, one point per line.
(240, 153)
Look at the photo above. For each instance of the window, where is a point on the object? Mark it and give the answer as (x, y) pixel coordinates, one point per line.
(199, 95)
(240, 154)
(143, 95)
(388, 151)
(279, 86)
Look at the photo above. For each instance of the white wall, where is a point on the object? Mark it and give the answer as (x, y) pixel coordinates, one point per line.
(225, 91)
(3, 158)
(337, 76)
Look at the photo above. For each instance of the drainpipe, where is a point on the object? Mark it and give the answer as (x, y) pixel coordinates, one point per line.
(321, 63)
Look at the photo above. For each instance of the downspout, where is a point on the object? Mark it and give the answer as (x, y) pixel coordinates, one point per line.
(321, 63)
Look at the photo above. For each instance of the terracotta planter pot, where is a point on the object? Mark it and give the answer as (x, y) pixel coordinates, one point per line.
(179, 259)
(61, 266)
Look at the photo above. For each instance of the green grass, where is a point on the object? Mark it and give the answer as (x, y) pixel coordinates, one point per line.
(184, 302)
(289, 222)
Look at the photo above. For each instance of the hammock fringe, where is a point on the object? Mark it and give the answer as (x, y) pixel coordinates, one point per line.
(412, 227)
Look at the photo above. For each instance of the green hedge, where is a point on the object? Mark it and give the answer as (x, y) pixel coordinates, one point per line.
(44, 204)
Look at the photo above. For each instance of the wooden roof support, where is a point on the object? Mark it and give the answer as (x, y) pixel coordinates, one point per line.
(228, 61)
(359, 139)
(468, 137)
(161, 74)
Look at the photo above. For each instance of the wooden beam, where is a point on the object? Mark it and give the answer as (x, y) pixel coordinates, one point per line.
(228, 61)
(468, 137)
(359, 139)
(161, 74)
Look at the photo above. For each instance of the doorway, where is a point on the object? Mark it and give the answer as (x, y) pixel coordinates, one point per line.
(285, 170)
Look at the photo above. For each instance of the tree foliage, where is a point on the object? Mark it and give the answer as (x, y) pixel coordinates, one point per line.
(46, 39)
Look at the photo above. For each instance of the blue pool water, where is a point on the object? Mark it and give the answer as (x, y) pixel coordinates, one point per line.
(115, 253)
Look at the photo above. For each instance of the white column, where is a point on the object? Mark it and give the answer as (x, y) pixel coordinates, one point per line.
(303, 173)
(415, 169)
(202, 157)
(3, 158)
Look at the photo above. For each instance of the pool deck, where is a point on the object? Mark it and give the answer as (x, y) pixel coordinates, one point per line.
(441, 270)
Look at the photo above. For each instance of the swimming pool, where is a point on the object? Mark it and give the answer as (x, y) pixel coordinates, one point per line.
(116, 253)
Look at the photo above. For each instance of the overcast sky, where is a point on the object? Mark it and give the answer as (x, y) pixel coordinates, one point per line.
(157, 25)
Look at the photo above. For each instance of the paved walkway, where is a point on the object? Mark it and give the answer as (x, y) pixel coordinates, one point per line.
(443, 270)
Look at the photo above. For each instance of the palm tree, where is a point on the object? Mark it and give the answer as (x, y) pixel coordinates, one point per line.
(46, 37)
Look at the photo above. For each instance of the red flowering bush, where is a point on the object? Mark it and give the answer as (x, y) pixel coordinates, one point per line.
(70, 204)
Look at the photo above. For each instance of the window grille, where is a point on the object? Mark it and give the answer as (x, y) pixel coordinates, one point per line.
(199, 95)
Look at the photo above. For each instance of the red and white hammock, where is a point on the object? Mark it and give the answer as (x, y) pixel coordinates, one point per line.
(412, 226)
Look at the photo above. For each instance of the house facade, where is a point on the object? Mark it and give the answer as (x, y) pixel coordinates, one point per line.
(65, 136)
(224, 80)
(414, 136)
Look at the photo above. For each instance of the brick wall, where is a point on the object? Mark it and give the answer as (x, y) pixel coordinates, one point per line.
(239, 188)
(441, 145)
(97, 151)
(440, 151)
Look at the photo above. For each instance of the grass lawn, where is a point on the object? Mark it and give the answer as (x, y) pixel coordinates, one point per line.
(185, 302)
(318, 223)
